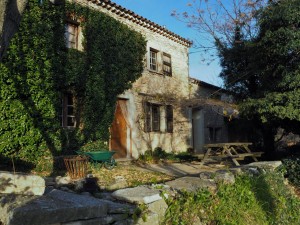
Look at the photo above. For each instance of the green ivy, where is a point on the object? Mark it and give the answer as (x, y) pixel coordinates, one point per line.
(38, 67)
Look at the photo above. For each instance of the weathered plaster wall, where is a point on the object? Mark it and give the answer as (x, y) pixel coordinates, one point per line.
(214, 123)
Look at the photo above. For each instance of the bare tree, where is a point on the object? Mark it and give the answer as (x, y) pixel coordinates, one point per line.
(219, 21)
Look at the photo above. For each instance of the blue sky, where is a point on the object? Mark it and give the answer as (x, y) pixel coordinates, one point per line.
(159, 11)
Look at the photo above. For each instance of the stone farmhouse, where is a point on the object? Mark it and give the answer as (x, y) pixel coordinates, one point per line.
(158, 110)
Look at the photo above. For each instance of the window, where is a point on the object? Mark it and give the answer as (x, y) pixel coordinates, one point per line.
(167, 66)
(153, 59)
(152, 117)
(214, 134)
(169, 118)
(68, 111)
(155, 117)
(71, 34)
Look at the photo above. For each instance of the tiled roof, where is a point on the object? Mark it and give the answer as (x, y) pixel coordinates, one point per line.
(130, 15)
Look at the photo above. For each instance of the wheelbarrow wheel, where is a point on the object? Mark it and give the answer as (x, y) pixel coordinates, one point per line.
(110, 164)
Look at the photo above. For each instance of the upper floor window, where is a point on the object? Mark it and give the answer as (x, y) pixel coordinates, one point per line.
(167, 65)
(153, 59)
(160, 62)
(68, 118)
(71, 34)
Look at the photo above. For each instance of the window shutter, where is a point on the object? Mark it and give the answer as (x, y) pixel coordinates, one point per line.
(169, 118)
(147, 121)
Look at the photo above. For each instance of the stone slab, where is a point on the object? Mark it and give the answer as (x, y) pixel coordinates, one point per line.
(55, 207)
(269, 165)
(140, 195)
(19, 183)
(191, 184)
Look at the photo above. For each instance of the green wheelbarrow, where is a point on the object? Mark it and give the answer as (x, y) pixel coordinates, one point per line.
(101, 158)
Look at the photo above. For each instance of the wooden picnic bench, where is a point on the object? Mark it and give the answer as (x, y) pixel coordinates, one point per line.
(234, 151)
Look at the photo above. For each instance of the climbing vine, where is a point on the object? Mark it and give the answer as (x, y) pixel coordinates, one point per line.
(38, 67)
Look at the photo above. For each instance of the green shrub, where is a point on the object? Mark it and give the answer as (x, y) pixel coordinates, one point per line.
(93, 146)
(251, 200)
(291, 169)
(159, 153)
(147, 156)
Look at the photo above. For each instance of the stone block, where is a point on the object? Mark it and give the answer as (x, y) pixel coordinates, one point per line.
(192, 184)
(158, 207)
(140, 195)
(55, 207)
(19, 183)
(266, 165)
(225, 177)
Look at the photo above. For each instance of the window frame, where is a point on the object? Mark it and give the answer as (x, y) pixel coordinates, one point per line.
(74, 24)
(152, 120)
(68, 111)
(153, 61)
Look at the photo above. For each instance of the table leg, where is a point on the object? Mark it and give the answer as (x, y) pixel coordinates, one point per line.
(249, 151)
(205, 156)
(231, 156)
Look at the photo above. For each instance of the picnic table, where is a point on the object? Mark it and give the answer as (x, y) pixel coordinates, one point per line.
(234, 151)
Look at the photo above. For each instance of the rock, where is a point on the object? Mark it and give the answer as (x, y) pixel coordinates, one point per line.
(118, 208)
(100, 221)
(224, 176)
(159, 207)
(104, 196)
(191, 184)
(140, 195)
(60, 181)
(206, 175)
(266, 165)
(55, 207)
(149, 219)
(19, 183)
(86, 193)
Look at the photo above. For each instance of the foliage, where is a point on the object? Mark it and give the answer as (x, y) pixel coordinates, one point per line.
(158, 154)
(38, 68)
(269, 65)
(261, 199)
(291, 169)
(93, 146)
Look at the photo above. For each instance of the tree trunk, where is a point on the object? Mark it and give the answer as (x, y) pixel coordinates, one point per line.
(269, 139)
(10, 17)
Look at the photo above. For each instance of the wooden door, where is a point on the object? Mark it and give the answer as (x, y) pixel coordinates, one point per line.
(118, 131)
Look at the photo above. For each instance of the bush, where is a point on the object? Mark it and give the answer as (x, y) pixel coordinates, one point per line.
(251, 200)
(94, 146)
(291, 169)
(159, 153)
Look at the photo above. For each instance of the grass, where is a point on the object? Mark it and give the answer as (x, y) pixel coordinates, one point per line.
(133, 175)
(262, 200)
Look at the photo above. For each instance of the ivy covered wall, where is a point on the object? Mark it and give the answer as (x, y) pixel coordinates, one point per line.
(38, 67)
